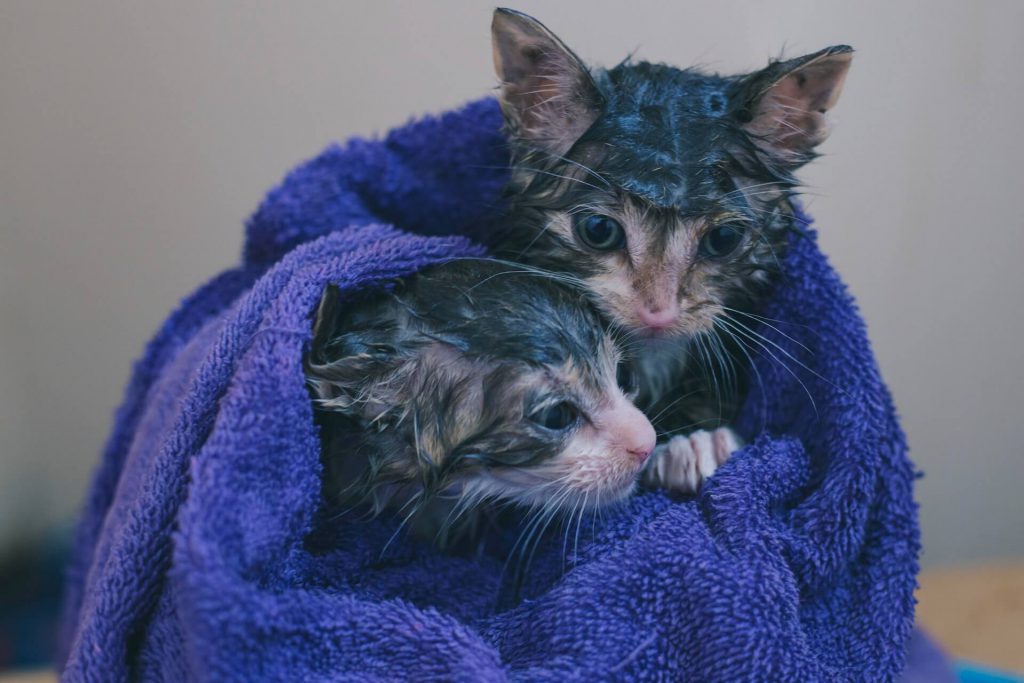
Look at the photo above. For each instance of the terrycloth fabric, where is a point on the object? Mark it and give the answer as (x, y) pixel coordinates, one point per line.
(203, 553)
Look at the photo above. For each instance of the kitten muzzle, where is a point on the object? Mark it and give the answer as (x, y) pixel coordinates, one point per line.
(630, 430)
(657, 321)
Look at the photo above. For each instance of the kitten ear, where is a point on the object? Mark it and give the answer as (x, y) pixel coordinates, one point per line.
(547, 94)
(340, 366)
(783, 106)
(326, 317)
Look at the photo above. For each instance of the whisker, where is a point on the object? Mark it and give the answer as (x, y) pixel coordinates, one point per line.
(538, 533)
(579, 521)
(708, 367)
(765, 321)
(673, 403)
(782, 364)
(727, 364)
(580, 166)
(552, 174)
(401, 525)
(689, 426)
(565, 537)
(796, 360)
(753, 366)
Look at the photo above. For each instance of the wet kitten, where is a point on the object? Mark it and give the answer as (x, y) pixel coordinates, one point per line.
(666, 193)
(473, 383)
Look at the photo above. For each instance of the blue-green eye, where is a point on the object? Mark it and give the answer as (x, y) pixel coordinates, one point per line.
(600, 232)
(556, 417)
(721, 240)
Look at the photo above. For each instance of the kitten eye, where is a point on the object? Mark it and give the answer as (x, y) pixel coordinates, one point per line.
(626, 378)
(721, 240)
(556, 416)
(601, 232)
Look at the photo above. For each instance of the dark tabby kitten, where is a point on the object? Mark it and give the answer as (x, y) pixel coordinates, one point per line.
(473, 383)
(666, 193)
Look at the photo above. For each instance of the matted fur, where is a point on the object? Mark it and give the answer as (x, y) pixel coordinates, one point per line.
(426, 393)
(670, 154)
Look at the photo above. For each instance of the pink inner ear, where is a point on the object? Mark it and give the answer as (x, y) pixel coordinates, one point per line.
(553, 98)
(545, 87)
(791, 114)
(547, 83)
(820, 83)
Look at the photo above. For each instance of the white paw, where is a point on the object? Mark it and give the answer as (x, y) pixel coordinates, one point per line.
(682, 464)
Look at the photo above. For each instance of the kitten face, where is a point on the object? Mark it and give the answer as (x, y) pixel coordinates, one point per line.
(668, 274)
(479, 381)
(664, 190)
(532, 435)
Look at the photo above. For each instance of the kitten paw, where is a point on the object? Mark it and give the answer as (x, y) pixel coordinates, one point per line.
(682, 464)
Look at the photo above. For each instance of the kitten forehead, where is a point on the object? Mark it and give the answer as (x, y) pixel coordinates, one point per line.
(658, 126)
(499, 310)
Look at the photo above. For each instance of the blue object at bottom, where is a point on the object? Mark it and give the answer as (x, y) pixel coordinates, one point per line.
(972, 673)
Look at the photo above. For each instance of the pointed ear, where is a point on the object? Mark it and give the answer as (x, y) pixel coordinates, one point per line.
(547, 94)
(325, 318)
(340, 365)
(784, 105)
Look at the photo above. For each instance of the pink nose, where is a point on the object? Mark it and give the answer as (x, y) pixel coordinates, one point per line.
(631, 430)
(660, 318)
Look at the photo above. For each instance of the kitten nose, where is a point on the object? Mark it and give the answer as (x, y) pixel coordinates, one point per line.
(632, 430)
(659, 318)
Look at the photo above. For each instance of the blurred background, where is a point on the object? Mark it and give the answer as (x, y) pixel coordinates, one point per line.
(135, 138)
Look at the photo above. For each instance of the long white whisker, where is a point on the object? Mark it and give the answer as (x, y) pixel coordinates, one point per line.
(782, 350)
(767, 323)
(579, 521)
(753, 366)
(782, 364)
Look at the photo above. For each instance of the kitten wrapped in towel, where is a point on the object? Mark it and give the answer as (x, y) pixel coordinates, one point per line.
(665, 193)
(469, 384)
(203, 553)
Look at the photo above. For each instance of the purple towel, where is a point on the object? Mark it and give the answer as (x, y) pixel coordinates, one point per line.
(203, 554)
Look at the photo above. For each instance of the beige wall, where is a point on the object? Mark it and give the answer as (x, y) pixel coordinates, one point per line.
(135, 138)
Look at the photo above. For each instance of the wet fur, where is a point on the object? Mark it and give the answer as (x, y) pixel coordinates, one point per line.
(422, 396)
(668, 153)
